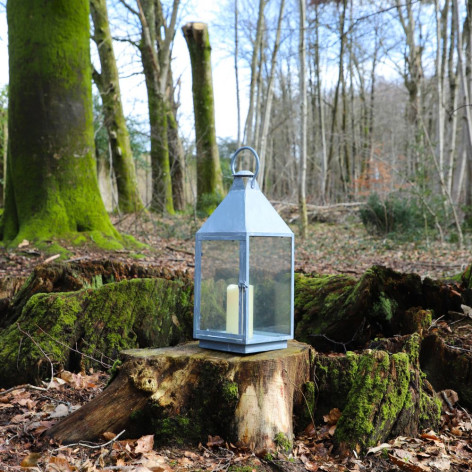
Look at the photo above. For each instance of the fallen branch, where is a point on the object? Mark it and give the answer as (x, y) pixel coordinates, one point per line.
(94, 446)
(22, 387)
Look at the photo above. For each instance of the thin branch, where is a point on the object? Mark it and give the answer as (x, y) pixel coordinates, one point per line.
(94, 446)
(41, 349)
(23, 387)
(108, 366)
(129, 8)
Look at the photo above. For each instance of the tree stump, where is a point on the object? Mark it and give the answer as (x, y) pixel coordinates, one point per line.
(186, 393)
(380, 393)
(74, 328)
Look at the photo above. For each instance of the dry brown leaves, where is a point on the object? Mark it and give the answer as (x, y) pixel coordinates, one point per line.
(331, 248)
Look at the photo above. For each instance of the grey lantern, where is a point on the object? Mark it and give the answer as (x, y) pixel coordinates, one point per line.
(244, 272)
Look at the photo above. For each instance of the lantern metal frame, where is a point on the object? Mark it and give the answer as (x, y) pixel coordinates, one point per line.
(244, 213)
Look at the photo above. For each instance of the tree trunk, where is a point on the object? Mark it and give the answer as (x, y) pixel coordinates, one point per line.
(303, 125)
(236, 74)
(334, 114)
(268, 98)
(209, 177)
(178, 168)
(249, 127)
(3, 149)
(156, 80)
(172, 393)
(109, 87)
(53, 188)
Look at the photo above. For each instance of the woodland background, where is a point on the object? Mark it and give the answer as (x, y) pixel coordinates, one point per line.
(381, 113)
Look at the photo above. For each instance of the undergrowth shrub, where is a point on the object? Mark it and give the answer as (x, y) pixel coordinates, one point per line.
(397, 215)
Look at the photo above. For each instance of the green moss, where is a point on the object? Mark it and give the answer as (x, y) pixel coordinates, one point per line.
(283, 442)
(309, 403)
(243, 468)
(230, 392)
(131, 242)
(335, 377)
(176, 429)
(80, 240)
(113, 371)
(138, 256)
(430, 410)
(99, 323)
(209, 410)
(52, 188)
(53, 248)
(319, 302)
(377, 397)
(384, 308)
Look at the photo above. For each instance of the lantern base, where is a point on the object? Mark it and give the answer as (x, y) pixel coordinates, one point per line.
(242, 348)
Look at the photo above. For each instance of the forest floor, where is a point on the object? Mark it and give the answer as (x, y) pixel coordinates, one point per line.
(338, 246)
(332, 247)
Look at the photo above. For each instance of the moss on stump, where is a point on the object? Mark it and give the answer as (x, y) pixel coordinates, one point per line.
(339, 312)
(69, 329)
(73, 276)
(380, 394)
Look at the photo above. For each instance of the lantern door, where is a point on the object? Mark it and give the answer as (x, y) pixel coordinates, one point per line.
(271, 281)
(217, 291)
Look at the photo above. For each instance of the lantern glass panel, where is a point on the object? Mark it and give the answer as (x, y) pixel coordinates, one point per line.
(270, 275)
(219, 276)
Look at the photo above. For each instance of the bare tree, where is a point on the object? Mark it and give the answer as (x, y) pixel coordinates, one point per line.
(303, 124)
(107, 82)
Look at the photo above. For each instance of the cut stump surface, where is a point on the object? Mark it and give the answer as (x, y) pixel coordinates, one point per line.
(185, 392)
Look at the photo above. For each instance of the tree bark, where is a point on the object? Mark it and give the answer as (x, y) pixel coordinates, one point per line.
(178, 168)
(255, 396)
(108, 85)
(155, 71)
(3, 149)
(51, 178)
(303, 124)
(209, 177)
(249, 127)
(268, 98)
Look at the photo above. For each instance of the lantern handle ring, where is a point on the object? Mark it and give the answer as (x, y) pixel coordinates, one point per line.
(233, 161)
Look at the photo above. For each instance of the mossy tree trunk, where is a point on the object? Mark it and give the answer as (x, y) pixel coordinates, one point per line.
(52, 186)
(178, 168)
(209, 177)
(108, 85)
(187, 392)
(3, 140)
(177, 162)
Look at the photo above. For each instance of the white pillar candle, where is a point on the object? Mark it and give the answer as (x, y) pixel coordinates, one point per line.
(232, 309)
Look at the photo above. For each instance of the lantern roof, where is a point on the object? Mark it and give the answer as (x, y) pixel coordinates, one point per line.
(245, 209)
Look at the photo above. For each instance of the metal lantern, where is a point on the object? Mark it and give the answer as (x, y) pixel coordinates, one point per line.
(244, 272)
